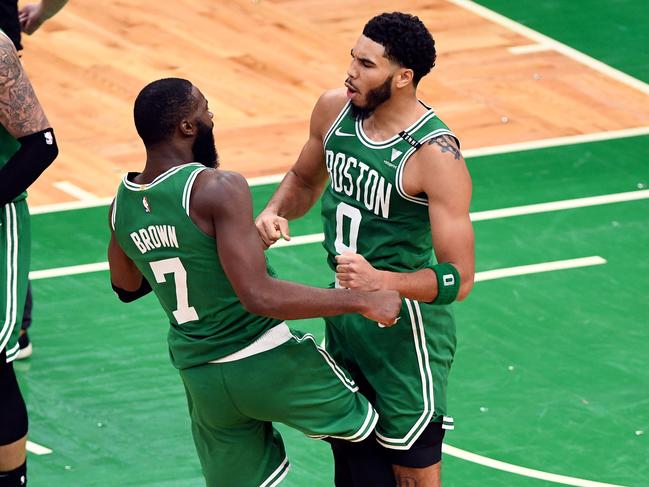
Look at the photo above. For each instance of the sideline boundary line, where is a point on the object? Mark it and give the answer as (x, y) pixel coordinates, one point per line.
(479, 276)
(517, 469)
(37, 449)
(567, 51)
(470, 153)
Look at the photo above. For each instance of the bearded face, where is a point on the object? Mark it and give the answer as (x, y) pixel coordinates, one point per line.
(204, 148)
(373, 99)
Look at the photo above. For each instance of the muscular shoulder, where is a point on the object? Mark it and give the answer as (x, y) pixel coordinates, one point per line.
(215, 189)
(438, 163)
(327, 108)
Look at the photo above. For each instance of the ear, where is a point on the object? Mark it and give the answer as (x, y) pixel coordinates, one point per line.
(403, 77)
(187, 128)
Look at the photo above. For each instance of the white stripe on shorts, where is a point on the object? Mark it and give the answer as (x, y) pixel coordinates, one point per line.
(347, 382)
(426, 375)
(11, 232)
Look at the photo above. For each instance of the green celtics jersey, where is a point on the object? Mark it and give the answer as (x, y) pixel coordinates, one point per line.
(8, 147)
(152, 225)
(365, 209)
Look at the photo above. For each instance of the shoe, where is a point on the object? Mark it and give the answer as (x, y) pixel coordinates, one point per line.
(25, 347)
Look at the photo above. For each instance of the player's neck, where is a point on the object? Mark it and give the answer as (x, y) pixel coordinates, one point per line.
(393, 116)
(163, 157)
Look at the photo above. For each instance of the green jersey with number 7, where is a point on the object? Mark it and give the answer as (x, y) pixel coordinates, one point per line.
(152, 225)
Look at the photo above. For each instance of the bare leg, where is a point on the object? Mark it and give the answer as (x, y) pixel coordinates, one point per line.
(13, 455)
(418, 477)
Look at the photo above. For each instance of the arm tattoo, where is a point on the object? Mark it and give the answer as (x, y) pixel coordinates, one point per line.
(447, 144)
(20, 112)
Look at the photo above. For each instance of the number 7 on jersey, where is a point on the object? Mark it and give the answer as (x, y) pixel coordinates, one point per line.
(184, 312)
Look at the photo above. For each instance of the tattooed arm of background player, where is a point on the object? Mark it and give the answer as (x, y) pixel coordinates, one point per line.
(304, 182)
(20, 112)
(438, 170)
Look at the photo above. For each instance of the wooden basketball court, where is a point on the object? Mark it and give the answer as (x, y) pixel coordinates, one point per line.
(262, 65)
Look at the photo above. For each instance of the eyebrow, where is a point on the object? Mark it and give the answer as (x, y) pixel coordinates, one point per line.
(362, 59)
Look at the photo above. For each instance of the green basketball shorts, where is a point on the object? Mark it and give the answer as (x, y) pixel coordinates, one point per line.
(15, 248)
(232, 406)
(406, 366)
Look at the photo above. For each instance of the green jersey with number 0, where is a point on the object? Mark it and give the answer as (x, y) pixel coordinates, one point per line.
(365, 209)
(152, 225)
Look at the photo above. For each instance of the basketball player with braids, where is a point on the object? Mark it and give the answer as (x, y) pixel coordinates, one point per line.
(395, 209)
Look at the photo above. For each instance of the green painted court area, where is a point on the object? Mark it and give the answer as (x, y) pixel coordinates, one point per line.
(551, 371)
(552, 368)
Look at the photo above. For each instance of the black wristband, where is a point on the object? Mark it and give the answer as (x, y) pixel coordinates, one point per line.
(129, 296)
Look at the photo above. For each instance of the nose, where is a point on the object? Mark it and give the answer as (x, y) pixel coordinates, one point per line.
(210, 114)
(352, 72)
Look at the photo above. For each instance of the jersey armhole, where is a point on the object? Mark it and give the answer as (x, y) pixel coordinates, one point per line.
(399, 176)
(187, 192)
(113, 213)
(341, 115)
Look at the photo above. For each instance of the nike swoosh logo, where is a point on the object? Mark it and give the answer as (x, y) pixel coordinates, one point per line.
(343, 134)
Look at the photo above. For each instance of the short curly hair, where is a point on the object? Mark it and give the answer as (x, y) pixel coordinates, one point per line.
(160, 107)
(406, 40)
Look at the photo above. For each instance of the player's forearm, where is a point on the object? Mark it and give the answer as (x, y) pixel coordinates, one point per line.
(419, 285)
(293, 198)
(422, 285)
(291, 301)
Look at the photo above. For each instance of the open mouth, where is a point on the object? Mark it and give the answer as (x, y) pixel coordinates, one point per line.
(351, 91)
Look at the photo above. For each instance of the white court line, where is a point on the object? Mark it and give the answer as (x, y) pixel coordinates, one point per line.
(37, 449)
(556, 265)
(556, 45)
(529, 48)
(560, 205)
(555, 142)
(479, 276)
(508, 212)
(476, 216)
(301, 240)
(68, 271)
(469, 153)
(527, 472)
(74, 190)
(260, 181)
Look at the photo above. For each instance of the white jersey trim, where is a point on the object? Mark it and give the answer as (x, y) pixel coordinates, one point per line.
(272, 338)
(402, 165)
(187, 192)
(362, 136)
(335, 123)
(169, 172)
(113, 213)
(419, 337)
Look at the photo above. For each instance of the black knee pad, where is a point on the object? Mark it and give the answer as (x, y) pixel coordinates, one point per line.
(13, 413)
(361, 464)
(425, 451)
